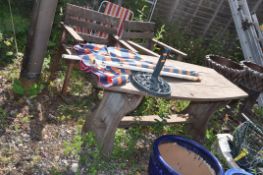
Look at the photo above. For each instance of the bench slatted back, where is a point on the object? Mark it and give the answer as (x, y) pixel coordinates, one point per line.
(141, 32)
(89, 23)
(117, 11)
(138, 30)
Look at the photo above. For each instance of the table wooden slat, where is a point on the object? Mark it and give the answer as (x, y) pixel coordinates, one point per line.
(212, 87)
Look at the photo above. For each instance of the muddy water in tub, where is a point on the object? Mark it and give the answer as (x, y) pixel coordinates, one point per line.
(183, 161)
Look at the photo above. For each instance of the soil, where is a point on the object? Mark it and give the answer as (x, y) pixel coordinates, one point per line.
(33, 133)
(32, 140)
(183, 161)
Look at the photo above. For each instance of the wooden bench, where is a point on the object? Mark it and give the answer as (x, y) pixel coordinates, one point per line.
(86, 25)
(140, 35)
(81, 25)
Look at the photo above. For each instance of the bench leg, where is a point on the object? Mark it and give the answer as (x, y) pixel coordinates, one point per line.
(67, 77)
(55, 60)
(249, 102)
(105, 119)
(200, 113)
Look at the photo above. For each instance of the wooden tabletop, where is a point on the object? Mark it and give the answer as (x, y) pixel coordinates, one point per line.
(212, 87)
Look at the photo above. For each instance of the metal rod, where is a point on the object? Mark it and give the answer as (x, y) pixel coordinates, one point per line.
(160, 64)
(152, 10)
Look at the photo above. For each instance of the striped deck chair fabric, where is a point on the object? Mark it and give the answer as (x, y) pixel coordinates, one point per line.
(93, 56)
(110, 9)
(117, 11)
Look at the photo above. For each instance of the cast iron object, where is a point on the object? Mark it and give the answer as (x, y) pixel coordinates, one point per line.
(153, 83)
(254, 76)
(230, 69)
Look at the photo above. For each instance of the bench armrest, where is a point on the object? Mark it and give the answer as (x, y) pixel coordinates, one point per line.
(144, 49)
(124, 43)
(72, 32)
(169, 47)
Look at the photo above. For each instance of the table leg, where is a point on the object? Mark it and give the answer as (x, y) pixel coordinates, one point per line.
(105, 119)
(200, 113)
(249, 102)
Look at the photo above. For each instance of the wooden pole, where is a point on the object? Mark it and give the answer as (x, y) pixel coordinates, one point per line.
(38, 36)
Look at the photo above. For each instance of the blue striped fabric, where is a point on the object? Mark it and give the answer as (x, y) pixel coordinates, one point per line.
(111, 76)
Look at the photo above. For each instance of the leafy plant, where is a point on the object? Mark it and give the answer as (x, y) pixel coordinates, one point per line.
(18, 88)
(32, 91)
(198, 47)
(160, 33)
(21, 16)
(134, 5)
(142, 13)
(210, 137)
(74, 146)
(6, 49)
(258, 110)
(35, 89)
(159, 36)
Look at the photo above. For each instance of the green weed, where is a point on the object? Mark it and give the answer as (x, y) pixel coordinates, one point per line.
(258, 110)
(6, 49)
(198, 47)
(88, 151)
(160, 33)
(142, 13)
(210, 136)
(162, 108)
(159, 36)
(18, 88)
(26, 119)
(134, 5)
(74, 146)
(34, 90)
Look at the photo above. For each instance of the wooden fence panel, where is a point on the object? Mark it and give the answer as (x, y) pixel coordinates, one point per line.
(202, 17)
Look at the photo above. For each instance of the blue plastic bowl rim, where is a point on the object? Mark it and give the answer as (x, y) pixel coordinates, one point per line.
(188, 141)
(237, 171)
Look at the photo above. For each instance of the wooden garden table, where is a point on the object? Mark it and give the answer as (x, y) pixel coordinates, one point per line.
(206, 96)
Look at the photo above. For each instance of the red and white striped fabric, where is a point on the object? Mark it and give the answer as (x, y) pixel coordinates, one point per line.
(117, 11)
(110, 9)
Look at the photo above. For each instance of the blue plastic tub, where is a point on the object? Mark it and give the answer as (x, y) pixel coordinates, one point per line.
(235, 171)
(157, 165)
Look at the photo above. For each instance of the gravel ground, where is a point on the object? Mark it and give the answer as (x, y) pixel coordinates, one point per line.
(32, 141)
(33, 132)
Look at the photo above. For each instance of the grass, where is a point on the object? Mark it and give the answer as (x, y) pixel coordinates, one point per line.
(86, 148)
(131, 145)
